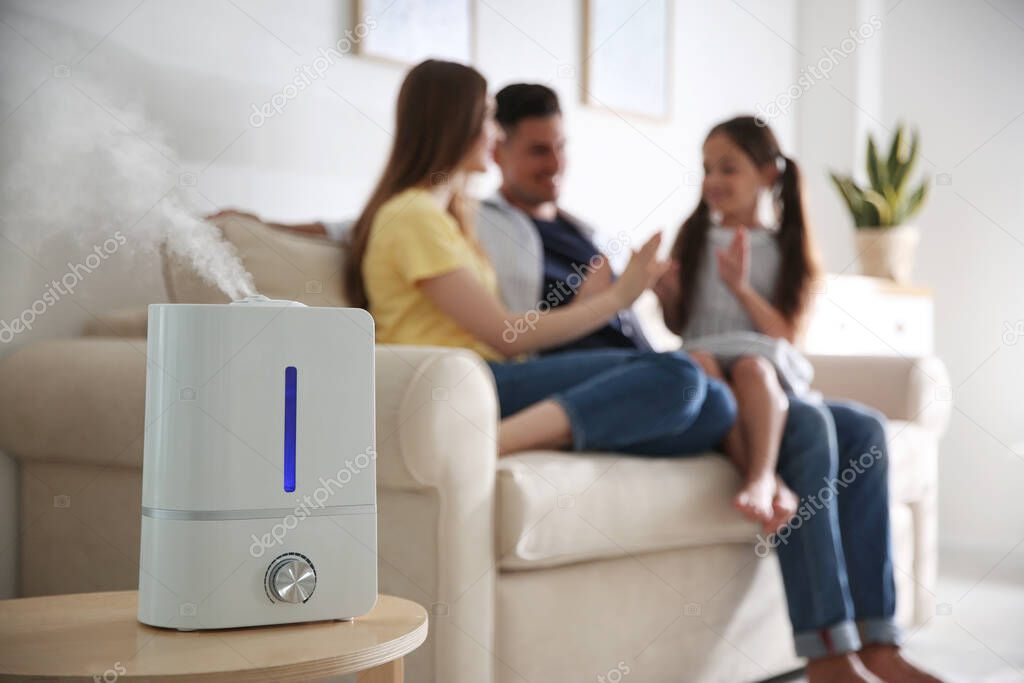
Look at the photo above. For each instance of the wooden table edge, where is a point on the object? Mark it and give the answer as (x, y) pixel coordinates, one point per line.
(381, 664)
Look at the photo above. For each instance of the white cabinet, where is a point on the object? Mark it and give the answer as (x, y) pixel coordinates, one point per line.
(857, 315)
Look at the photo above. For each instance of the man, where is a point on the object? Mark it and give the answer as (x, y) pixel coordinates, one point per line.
(543, 256)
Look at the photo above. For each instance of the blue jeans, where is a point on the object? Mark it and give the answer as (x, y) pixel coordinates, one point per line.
(836, 554)
(623, 400)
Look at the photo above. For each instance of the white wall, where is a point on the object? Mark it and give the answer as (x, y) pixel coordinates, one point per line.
(832, 113)
(956, 70)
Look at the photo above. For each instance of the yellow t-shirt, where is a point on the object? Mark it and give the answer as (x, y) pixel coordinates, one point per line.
(411, 239)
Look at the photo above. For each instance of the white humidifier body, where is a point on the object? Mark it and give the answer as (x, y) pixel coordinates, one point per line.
(259, 480)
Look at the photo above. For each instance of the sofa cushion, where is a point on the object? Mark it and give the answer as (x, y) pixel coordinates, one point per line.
(283, 264)
(557, 508)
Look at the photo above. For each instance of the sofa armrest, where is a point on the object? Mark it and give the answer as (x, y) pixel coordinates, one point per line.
(437, 419)
(912, 389)
(437, 425)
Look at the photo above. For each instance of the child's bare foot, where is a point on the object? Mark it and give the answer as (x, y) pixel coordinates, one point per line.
(846, 668)
(886, 662)
(784, 506)
(755, 498)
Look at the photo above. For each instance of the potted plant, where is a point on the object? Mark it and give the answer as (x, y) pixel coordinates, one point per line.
(885, 242)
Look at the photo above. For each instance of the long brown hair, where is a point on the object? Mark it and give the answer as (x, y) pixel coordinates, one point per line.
(440, 115)
(799, 259)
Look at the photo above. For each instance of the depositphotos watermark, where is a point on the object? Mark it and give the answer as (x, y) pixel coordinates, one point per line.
(112, 674)
(820, 70)
(564, 290)
(814, 503)
(65, 286)
(1013, 332)
(309, 504)
(308, 73)
(615, 674)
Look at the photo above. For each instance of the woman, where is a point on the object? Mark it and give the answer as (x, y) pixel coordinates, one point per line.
(414, 263)
(736, 277)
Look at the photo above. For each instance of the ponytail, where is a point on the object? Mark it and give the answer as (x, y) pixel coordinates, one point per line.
(689, 249)
(799, 263)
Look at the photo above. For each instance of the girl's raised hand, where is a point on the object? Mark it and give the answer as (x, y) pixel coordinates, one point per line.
(734, 262)
(642, 271)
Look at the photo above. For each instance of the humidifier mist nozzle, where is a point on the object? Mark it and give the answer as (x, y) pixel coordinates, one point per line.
(260, 300)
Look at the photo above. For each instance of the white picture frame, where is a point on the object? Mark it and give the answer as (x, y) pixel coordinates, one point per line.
(627, 56)
(407, 32)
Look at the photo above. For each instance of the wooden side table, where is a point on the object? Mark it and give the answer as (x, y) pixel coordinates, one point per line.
(96, 637)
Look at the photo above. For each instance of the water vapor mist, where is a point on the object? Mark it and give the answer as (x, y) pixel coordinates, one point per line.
(85, 170)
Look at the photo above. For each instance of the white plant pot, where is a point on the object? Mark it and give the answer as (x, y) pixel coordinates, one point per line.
(888, 252)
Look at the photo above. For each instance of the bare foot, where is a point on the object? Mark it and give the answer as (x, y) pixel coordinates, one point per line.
(846, 668)
(784, 506)
(886, 662)
(755, 498)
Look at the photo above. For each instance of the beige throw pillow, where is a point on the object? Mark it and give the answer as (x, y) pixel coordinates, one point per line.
(283, 264)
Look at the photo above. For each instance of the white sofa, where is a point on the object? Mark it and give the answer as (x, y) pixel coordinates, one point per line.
(542, 567)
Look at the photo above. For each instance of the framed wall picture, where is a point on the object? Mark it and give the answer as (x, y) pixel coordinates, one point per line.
(627, 59)
(409, 31)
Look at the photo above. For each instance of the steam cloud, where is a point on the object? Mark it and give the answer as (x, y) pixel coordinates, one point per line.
(86, 170)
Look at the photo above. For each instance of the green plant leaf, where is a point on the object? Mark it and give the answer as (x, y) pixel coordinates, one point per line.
(910, 159)
(876, 172)
(880, 212)
(886, 202)
(895, 157)
(915, 200)
(851, 194)
(868, 217)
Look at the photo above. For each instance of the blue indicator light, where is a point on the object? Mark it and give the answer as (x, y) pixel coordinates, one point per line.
(291, 379)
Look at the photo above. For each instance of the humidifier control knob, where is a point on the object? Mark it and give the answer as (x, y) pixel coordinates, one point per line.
(291, 578)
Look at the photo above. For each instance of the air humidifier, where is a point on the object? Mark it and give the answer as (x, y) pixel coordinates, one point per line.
(258, 480)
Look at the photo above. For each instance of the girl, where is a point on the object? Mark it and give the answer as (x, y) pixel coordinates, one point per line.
(414, 263)
(739, 291)
(732, 276)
